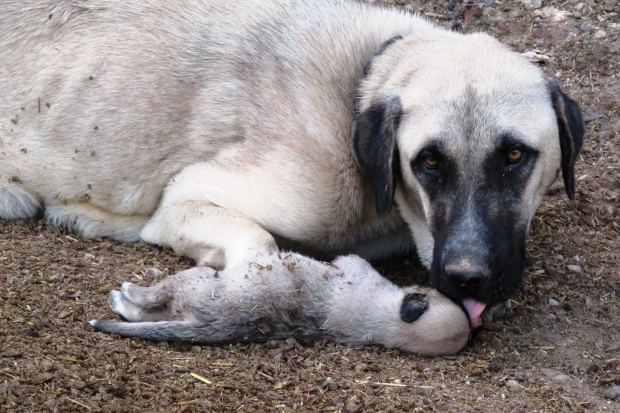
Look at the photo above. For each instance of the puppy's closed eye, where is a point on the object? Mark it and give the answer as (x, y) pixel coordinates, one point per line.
(414, 305)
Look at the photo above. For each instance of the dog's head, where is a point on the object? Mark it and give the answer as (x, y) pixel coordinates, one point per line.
(465, 137)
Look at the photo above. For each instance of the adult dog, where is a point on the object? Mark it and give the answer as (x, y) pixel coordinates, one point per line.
(227, 128)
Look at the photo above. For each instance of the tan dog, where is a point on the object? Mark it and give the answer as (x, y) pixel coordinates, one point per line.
(229, 128)
(289, 295)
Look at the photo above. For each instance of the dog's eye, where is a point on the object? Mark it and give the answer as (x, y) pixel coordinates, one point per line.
(430, 162)
(515, 156)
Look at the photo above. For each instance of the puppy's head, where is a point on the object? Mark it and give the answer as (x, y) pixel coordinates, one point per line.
(429, 324)
(465, 137)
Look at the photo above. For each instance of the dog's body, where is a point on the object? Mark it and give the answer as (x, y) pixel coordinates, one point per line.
(289, 295)
(221, 127)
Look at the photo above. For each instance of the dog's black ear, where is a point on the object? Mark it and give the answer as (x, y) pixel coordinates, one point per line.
(374, 146)
(571, 126)
(384, 46)
(412, 308)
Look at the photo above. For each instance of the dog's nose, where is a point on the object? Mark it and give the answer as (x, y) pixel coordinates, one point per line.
(465, 276)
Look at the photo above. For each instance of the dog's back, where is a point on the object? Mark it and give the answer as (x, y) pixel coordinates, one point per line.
(102, 103)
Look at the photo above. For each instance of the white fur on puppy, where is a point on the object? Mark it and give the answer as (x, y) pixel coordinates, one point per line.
(289, 295)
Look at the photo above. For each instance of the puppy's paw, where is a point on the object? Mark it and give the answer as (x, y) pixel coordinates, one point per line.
(125, 308)
(116, 302)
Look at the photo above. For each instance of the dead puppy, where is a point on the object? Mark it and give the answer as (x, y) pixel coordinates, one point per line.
(278, 296)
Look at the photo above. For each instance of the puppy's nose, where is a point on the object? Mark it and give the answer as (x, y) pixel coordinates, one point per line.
(465, 276)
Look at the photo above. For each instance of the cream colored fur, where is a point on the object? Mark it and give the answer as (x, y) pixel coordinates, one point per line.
(221, 127)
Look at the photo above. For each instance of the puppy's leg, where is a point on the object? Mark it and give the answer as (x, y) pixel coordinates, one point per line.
(210, 235)
(136, 303)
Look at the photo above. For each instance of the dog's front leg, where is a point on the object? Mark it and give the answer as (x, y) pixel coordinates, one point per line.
(211, 235)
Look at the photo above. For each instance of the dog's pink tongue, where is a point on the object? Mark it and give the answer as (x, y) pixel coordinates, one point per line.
(474, 309)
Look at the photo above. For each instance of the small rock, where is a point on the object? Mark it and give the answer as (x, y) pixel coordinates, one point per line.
(119, 391)
(512, 384)
(495, 367)
(600, 34)
(554, 14)
(331, 384)
(574, 268)
(353, 405)
(531, 4)
(196, 349)
(559, 257)
(613, 393)
(65, 314)
(560, 377)
(45, 377)
(11, 352)
(361, 367)
(594, 368)
(553, 302)
(31, 332)
(555, 375)
(154, 272)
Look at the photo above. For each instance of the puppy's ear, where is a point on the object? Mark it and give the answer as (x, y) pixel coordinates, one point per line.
(375, 150)
(412, 308)
(571, 126)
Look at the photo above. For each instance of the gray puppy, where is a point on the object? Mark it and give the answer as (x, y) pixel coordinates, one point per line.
(289, 295)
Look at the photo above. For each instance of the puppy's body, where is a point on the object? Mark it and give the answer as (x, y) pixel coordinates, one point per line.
(288, 295)
(222, 127)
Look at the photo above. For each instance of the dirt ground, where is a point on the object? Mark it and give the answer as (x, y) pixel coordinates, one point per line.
(557, 349)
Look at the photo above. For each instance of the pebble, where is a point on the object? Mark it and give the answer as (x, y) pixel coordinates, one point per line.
(600, 34)
(154, 272)
(553, 302)
(560, 377)
(613, 393)
(495, 367)
(531, 4)
(555, 375)
(574, 268)
(196, 349)
(331, 384)
(65, 314)
(513, 384)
